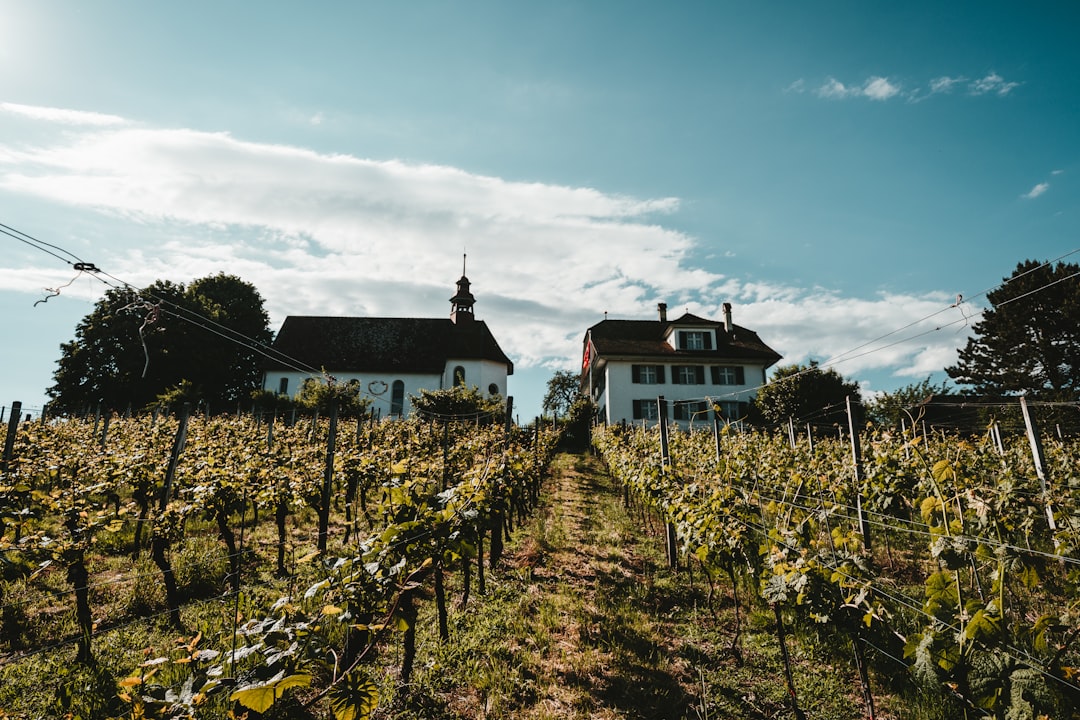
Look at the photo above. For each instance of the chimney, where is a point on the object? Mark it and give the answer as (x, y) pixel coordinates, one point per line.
(727, 318)
(662, 308)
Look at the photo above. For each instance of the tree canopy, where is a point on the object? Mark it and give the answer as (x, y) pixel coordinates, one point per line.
(459, 403)
(805, 393)
(563, 389)
(165, 340)
(1028, 342)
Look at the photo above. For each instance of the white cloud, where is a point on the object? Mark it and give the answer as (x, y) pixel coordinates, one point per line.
(799, 86)
(879, 88)
(834, 90)
(1036, 191)
(333, 233)
(874, 88)
(992, 83)
(62, 116)
(945, 84)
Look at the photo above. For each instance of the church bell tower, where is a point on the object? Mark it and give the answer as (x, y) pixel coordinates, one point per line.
(461, 305)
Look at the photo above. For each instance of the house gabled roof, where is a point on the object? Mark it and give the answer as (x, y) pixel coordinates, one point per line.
(383, 345)
(647, 339)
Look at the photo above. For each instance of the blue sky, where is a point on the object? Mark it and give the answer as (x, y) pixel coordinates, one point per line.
(835, 170)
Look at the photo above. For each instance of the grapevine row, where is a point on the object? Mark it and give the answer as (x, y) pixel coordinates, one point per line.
(412, 502)
(971, 586)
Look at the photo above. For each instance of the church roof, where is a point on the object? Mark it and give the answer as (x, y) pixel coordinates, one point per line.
(383, 345)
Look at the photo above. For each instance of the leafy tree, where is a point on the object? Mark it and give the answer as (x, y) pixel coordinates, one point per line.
(888, 409)
(136, 345)
(458, 403)
(806, 393)
(316, 394)
(563, 390)
(1029, 341)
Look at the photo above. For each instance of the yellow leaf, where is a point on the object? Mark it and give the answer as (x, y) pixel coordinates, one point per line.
(331, 610)
(130, 682)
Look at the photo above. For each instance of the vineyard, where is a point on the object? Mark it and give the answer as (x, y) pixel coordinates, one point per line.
(195, 566)
(945, 570)
(188, 566)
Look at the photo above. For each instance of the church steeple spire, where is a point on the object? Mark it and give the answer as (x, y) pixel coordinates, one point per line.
(461, 305)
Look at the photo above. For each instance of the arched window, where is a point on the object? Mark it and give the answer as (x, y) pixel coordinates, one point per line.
(459, 376)
(397, 398)
(493, 389)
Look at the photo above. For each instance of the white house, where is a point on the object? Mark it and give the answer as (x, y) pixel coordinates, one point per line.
(392, 358)
(693, 363)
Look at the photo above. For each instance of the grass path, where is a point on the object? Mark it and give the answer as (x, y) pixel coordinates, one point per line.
(582, 620)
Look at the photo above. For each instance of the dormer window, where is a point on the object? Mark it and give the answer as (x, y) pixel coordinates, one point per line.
(695, 340)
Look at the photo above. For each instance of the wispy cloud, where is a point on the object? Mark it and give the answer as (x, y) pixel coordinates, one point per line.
(992, 83)
(946, 84)
(882, 88)
(874, 88)
(1036, 191)
(62, 116)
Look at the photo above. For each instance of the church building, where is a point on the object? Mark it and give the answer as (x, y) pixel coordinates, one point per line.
(392, 358)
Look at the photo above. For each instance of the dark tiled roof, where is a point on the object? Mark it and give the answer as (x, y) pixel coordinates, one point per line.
(405, 345)
(647, 338)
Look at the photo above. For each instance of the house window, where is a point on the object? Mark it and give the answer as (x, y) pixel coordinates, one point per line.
(646, 410)
(690, 410)
(695, 340)
(459, 376)
(283, 386)
(397, 398)
(688, 374)
(728, 375)
(647, 374)
(493, 389)
(732, 411)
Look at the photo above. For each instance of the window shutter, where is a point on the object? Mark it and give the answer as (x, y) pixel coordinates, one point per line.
(714, 371)
(740, 375)
(676, 376)
(635, 373)
(637, 409)
(708, 340)
(682, 340)
(699, 374)
(660, 374)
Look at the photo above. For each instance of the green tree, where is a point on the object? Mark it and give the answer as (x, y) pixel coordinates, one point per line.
(1029, 340)
(805, 393)
(888, 409)
(458, 403)
(136, 345)
(315, 394)
(563, 390)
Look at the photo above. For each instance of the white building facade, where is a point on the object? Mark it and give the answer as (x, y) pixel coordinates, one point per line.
(700, 368)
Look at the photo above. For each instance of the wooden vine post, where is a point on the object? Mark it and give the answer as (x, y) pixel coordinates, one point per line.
(670, 541)
(1040, 462)
(328, 475)
(856, 456)
(12, 429)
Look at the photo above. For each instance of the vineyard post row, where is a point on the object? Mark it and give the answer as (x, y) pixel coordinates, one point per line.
(448, 521)
(962, 497)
